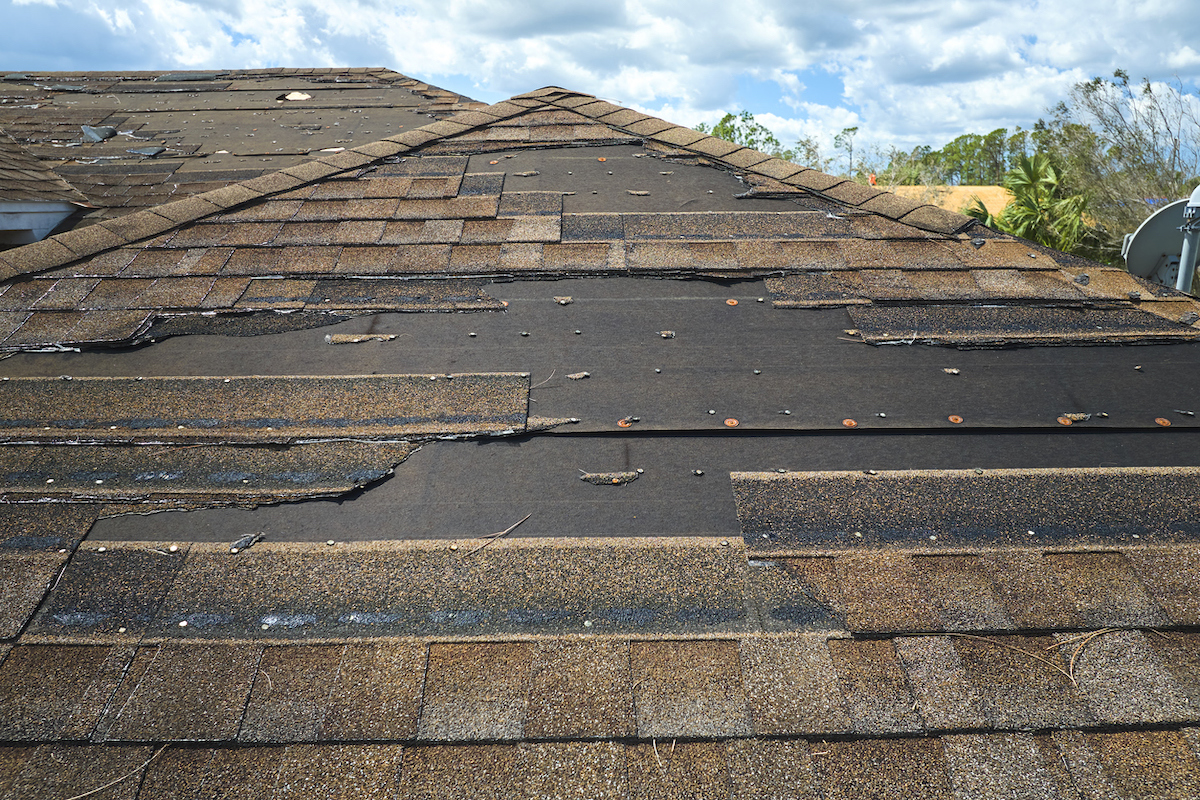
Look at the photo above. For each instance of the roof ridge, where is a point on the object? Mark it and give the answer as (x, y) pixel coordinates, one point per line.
(843, 191)
(63, 248)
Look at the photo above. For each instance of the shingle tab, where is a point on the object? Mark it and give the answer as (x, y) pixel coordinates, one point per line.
(580, 690)
(190, 692)
(875, 686)
(49, 693)
(475, 691)
(688, 689)
(791, 686)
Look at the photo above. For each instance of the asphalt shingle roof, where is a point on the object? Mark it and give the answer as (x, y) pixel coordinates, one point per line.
(690, 495)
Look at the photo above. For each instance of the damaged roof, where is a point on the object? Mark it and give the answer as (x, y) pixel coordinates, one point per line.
(134, 140)
(555, 448)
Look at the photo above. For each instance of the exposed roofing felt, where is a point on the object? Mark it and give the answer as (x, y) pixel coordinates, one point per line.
(655, 519)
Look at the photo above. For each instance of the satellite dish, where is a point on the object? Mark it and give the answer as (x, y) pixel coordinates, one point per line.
(1152, 251)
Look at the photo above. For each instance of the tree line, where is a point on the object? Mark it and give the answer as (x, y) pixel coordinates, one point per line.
(1087, 173)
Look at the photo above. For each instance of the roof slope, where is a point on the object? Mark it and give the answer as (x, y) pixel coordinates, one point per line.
(23, 178)
(134, 140)
(648, 516)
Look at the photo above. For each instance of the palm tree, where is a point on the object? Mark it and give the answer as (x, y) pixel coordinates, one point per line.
(1039, 212)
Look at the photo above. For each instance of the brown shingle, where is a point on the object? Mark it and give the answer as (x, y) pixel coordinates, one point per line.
(1021, 682)
(851, 193)
(580, 689)
(668, 771)
(815, 180)
(886, 769)
(1005, 765)
(287, 703)
(473, 258)
(475, 691)
(875, 686)
(64, 770)
(882, 592)
(777, 168)
(65, 294)
(192, 208)
(52, 692)
(961, 593)
(377, 692)
(458, 773)
(41, 256)
(688, 689)
(1171, 576)
(328, 771)
(946, 700)
(1124, 680)
(190, 692)
(1104, 589)
(791, 687)
(1029, 591)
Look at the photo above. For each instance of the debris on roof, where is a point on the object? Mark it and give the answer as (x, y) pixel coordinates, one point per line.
(820, 568)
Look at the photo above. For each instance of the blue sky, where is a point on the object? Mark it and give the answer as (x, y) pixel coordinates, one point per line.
(906, 73)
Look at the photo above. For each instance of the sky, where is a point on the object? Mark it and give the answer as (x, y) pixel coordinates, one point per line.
(906, 73)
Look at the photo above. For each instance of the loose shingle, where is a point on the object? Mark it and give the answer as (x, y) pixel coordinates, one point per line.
(260, 408)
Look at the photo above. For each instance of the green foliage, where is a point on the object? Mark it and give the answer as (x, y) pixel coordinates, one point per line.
(1042, 210)
(1128, 146)
(845, 141)
(742, 129)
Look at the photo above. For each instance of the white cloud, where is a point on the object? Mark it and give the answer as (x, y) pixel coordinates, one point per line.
(907, 71)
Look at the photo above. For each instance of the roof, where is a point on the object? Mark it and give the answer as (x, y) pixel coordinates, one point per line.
(23, 178)
(134, 140)
(552, 447)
